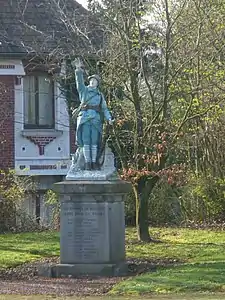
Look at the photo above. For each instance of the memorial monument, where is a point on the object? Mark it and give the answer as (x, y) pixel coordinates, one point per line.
(92, 226)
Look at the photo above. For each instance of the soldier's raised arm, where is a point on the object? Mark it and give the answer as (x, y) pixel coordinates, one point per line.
(79, 76)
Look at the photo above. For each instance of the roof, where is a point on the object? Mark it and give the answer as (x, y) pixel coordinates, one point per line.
(46, 26)
(8, 47)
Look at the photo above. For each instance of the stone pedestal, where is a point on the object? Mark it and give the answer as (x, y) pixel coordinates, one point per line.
(92, 228)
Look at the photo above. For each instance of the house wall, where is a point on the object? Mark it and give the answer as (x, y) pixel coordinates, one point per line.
(42, 153)
(31, 151)
(7, 159)
(38, 210)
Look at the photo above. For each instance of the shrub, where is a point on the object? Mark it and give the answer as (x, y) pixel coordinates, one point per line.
(203, 199)
(13, 190)
(52, 200)
(164, 206)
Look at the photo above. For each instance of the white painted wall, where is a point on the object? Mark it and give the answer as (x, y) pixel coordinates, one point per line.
(17, 65)
(27, 153)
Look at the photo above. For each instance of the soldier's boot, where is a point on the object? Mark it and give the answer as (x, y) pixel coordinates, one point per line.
(94, 151)
(95, 166)
(87, 157)
(87, 166)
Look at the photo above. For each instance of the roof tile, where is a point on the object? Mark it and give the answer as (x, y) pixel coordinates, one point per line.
(44, 25)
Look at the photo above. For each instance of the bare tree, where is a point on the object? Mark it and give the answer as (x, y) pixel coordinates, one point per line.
(161, 70)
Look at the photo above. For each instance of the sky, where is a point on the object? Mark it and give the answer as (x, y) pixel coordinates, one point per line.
(82, 2)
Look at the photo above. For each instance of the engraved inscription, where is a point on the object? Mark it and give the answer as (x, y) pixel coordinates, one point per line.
(84, 232)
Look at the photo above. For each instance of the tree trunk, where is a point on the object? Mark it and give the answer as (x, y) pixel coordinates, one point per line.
(142, 193)
(143, 222)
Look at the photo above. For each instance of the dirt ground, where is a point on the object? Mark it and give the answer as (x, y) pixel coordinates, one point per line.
(23, 280)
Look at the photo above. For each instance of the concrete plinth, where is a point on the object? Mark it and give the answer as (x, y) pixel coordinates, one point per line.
(92, 228)
(76, 270)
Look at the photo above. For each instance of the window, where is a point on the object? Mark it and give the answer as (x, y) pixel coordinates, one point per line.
(38, 102)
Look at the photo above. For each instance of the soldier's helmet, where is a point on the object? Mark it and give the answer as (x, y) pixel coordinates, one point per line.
(95, 76)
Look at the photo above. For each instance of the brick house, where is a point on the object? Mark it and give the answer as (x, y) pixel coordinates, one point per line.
(35, 133)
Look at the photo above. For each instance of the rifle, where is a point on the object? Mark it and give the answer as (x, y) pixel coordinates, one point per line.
(102, 145)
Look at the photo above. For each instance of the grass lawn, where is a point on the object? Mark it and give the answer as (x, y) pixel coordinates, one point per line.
(199, 259)
(16, 249)
(161, 297)
(198, 255)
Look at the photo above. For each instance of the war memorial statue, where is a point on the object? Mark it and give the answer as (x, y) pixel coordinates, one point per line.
(92, 225)
(90, 117)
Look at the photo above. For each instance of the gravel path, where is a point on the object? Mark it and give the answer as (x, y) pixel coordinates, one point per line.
(23, 280)
(58, 287)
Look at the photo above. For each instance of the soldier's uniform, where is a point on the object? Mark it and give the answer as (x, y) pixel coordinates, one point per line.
(89, 121)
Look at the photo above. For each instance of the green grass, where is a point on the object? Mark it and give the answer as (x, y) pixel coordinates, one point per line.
(198, 256)
(199, 259)
(155, 297)
(179, 279)
(179, 245)
(16, 249)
